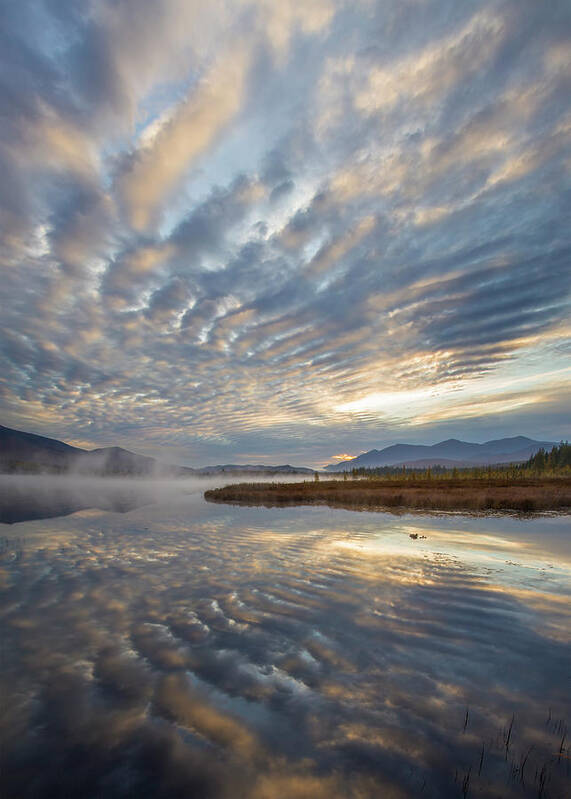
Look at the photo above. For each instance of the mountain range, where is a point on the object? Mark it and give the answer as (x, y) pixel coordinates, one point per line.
(28, 452)
(449, 453)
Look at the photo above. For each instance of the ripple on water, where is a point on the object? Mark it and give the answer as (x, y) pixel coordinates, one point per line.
(285, 653)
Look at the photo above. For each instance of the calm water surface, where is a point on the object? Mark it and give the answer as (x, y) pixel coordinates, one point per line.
(157, 645)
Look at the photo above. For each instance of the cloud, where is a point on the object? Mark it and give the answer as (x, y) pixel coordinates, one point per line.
(426, 76)
(223, 220)
(197, 122)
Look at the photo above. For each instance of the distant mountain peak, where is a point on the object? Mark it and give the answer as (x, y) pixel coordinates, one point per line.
(451, 451)
(27, 452)
(118, 450)
(523, 439)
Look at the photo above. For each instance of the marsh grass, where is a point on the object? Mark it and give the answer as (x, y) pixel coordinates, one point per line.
(525, 770)
(526, 495)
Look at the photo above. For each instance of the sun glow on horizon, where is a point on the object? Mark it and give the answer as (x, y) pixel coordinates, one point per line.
(344, 457)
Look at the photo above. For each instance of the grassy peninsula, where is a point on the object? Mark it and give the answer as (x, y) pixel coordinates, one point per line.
(543, 483)
(473, 495)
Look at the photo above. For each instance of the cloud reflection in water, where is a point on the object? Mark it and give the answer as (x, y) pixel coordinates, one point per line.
(186, 649)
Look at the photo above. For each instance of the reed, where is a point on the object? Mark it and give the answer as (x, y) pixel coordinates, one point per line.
(497, 494)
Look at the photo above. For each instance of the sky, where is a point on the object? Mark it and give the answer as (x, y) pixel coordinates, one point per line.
(276, 232)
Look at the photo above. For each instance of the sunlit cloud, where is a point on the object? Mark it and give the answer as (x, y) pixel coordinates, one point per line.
(191, 130)
(457, 400)
(329, 225)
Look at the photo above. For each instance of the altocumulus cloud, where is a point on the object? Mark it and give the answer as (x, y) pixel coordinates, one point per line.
(226, 230)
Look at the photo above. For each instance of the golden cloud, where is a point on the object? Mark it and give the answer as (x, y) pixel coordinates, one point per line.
(195, 126)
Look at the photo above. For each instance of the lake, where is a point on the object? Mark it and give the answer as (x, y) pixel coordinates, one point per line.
(155, 645)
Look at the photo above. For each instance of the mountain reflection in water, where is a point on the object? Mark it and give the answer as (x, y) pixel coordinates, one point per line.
(25, 499)
(193, 650)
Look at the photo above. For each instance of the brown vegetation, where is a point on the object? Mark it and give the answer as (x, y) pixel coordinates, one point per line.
(477, 495)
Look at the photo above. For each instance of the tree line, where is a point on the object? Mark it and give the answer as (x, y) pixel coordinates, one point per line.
(556, 462)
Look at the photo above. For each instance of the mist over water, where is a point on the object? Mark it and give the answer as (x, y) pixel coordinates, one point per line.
(24, 498)
(158, 645)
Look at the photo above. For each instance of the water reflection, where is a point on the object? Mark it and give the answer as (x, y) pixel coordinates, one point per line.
(186, 649)
(27, 498)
